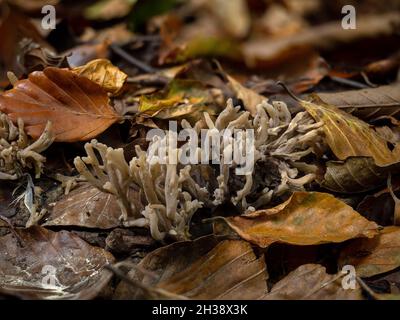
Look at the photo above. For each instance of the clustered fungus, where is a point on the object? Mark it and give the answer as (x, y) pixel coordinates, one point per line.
(155, 192)
(17, 152)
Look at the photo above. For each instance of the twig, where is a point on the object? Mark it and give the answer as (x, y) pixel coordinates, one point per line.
(348, 82)
(152, 293)
(289, 92)
(137, 63)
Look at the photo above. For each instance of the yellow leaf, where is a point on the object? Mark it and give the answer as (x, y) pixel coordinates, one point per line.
(104, 73)
(348, 136)
(306, 218)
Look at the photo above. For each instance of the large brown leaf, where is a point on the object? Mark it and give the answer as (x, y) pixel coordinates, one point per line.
(77, 107)
(311, 282)
(348, 136)
(201, 269)
(366, 103)
(374, 256)
(86, 207)
(27, 256)
(306, 218)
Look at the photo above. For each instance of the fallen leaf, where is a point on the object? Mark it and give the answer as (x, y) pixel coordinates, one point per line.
(198, 270)
(348, 136)
(104, 73)
(311, 282)
(182, 98)
(306, 218)
(28, 258)
(374, 256)
(77, 107)
(87, 207)
(249, 97)
(355, 175)
(233, 16)
(109, 9)
(366, 104)
(263, 51)
(202, 38)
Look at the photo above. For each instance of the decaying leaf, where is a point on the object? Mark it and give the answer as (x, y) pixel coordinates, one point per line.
(104, 73)
(348, 136)
(37, 263)
(197, 270)
(182, 98)
(86, 207)
(366, 103)
(77, 107)
(354, 175)
(311, 282)
(306, 218)
(374, 256)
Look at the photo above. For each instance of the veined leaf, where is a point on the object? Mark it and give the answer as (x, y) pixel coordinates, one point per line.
(348, 136)
(306, 218)
(77, 107)
(366, 103)
(197, 270)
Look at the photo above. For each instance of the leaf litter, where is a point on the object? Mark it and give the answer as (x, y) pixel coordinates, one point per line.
(104, 219)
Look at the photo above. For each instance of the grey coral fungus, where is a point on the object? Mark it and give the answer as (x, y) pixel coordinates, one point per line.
(169, 189)
(17, 152)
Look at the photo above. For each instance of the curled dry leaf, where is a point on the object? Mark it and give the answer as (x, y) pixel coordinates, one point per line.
(306, 218)
(374, 256)
(77, 107)
(311, 282)
(28, 255)
(86, 206)
(104, 73)
(348, 136)
(366, 103)
(198, 270)
(355, 174)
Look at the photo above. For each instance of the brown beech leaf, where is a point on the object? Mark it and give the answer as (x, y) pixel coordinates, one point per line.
(348, 136)
(88, 207)
(202, 269)
(77, 107)
(306, 218)
(311, 282)
(354, 175)
(28, 255)
(374, 256)
(104, 73)
(366, 103)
